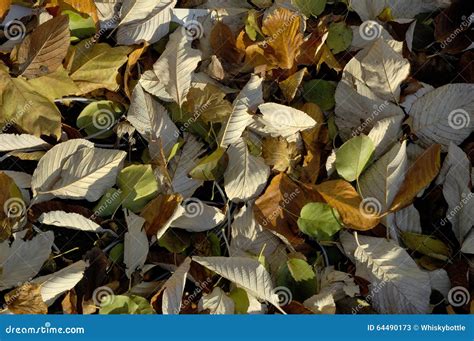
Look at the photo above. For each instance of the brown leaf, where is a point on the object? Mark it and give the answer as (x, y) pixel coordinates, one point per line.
(420, 174)
(340, 195)
(312, 141)
(223, 44)
(279, 153)
(43, 51)
(284, 36)
(158, 211)
(12, 206)
(26, 299)
(290, 86)
(278, 209)
(132, 61)
(296, 308)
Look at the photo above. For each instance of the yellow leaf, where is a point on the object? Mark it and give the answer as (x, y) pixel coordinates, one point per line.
(340, 195)
(290, 86)
(426, 245)
(83, 6)
(26, 299)
(4, 7)
(420, 175)
(284, 36)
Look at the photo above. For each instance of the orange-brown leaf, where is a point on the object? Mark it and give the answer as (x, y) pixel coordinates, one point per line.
(284, 36)
(340, 195)
(4, 7)
(420, 174)
(279, 208)
(158, 211)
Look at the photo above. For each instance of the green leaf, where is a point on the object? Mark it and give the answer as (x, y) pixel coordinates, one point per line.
(251, 25)
(211, 167)
(298, 276)
(353, 157)
(215, 244)
(310, 7)
(120, 304)
(109, 203)
(81, 27)
(320, 92)
(426, 245)
(98, 118)
(95, 66)
(319, 220)
(339, 37)
(138, 185)
(175, 240)
(241, 300)
(116, 253)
